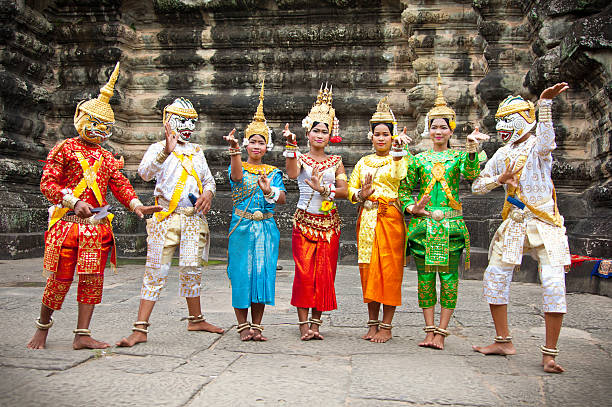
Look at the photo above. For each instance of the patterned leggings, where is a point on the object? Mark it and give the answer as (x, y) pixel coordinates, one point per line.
(448, 283)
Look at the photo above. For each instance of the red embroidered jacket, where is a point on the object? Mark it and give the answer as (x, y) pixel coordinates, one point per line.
(63, 170)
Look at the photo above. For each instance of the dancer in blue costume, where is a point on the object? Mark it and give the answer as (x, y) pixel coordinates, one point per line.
(253, 236)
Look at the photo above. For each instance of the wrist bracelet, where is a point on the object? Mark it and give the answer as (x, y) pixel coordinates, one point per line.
(471, 147)
(161, 156)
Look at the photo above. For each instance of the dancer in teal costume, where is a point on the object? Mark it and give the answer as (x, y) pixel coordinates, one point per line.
(253, 235)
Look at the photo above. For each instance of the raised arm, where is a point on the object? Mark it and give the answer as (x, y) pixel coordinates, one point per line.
(235, 156)
(545, 132)
(291, 153)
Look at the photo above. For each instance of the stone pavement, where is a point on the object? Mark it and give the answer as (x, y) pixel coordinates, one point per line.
(180, 368)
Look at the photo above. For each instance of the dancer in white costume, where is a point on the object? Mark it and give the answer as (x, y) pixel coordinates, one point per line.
(531, 220)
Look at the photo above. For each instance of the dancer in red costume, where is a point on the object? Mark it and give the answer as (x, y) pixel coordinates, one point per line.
(76, 177)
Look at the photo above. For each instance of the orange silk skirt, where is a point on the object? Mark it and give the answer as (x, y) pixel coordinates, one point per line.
(381, 279)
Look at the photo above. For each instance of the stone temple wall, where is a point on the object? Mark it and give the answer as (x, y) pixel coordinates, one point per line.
(55, 53)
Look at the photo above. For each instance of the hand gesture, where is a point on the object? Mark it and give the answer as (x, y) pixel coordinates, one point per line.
(476, 136)
(83, 210)
(509, 176)
(231, 140)
(204, 202)
(315, 179)
(402, 139)
(171, 138)
(291, 139)
(419, 208)
(141, 211)
(264, 183)
(555, 90)
(367, 187)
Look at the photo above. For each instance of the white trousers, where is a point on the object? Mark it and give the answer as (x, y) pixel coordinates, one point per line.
(154, 280)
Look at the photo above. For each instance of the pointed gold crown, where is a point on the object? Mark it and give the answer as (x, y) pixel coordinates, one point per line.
(99, 107)
(383, 113)
(259, 125)
(441, 109)
(322, 110)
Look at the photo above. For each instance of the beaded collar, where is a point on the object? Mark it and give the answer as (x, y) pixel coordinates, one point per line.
(256, 169)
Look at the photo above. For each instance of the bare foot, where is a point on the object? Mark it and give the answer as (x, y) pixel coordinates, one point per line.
(496, 349)
(428, 341)
(39, 339)
(438, 342)
(87, 342)
(550, 365)
(133, 339)
(306, 333)
(258, 337)
(373, 330)
(204, 326)
(315, 332)
(382, 336)
(246, 335)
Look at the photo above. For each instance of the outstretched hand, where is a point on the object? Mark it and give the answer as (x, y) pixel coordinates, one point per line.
(476, 136)
(291, 139)
(171, 138)
(554, 91)
(142, 210)
(367, 187)
(315, 179)
(231, 140)
(402, 139)
(509, 176)
(419, 208)
(264, 183)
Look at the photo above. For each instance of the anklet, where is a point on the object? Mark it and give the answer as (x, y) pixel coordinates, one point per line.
(382, 325)
(257, 327)
(315, 321)
(243, 326)
(442, 332)
(429, 328)
(549, 351)
(144, 330)
(43, 327)
(501, 339)
(374, 322)
(195, 320)
(82, 332)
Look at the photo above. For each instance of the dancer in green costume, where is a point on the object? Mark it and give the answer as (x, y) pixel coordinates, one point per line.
(436, 233)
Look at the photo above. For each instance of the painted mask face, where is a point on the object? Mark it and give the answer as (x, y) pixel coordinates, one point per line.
(512, 127)
(183, 126)
(92, 129)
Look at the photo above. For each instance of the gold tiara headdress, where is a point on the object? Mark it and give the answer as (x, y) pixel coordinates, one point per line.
(258, 125)
(516, 104)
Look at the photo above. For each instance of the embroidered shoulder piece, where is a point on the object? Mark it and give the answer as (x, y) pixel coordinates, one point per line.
(256, 169)
(375, 161)
(444, 156)
(57, 148)
(333, 161)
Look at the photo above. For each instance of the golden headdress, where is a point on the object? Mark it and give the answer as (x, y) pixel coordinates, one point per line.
(384, 114)
(182, 107)
(99, 107)
(441, 110)
(258, 125)
(516, 104)
(323, 112)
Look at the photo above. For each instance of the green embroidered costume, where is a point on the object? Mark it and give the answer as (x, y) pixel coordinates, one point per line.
(437, 241)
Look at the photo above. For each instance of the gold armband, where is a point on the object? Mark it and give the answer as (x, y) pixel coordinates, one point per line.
(545, 113)
(69, 201)
(342, 177)
(471, 147)
(161, 156)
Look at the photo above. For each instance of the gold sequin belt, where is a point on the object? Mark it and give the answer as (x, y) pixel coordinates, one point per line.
(85, 221)
(367, 204)
(438, 214)
(257, 215)
(321, 223)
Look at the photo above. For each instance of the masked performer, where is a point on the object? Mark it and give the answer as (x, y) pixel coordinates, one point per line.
(380, 227)
(180, 170)
(531, 219)
(436, 233)
(316, 224)
(76, 177)
(253, 236)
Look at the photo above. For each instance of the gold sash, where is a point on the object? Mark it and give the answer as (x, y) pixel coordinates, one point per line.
(89, 180)
(438, 172)
(188, 170)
